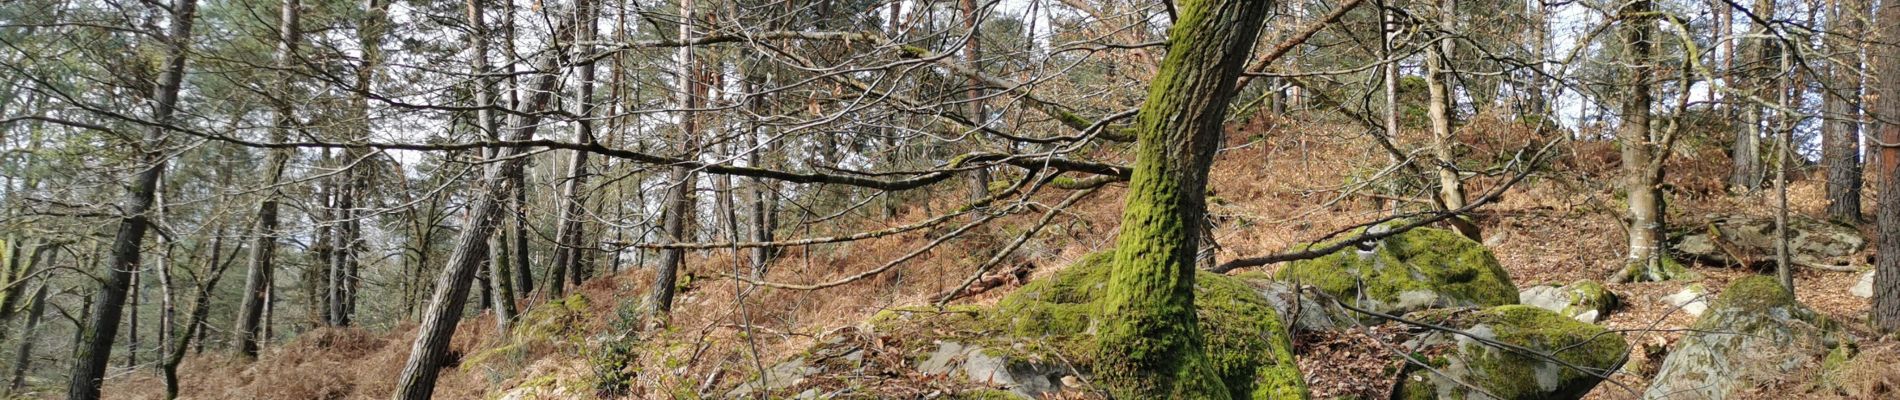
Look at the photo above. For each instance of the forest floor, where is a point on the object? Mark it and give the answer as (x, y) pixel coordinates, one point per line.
(1272, 188)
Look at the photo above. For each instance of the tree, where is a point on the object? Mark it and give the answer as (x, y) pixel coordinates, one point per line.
(95, 346)
(678, 204)
(430, 352)
(1439, 109)
(1840, 135)
(1886, 110)
(1642, 150)
(258, 275)
(1151, 325)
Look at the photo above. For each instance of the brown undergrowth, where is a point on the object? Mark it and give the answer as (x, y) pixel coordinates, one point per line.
(1278, 183)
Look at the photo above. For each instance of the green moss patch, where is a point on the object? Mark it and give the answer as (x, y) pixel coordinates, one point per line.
(1582, 353)
(1421, 268)
(1054, 320)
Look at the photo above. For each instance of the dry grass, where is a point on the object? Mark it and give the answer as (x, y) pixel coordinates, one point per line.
(1270, 193)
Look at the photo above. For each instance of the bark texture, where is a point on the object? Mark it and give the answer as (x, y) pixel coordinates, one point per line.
(1150, 323)
(95, 345)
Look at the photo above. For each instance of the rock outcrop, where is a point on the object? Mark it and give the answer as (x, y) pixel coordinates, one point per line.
(1043, 335)
(1754, 333)
(1584, 300)
(1509, 352)
(1745, 240)
(1420, 269)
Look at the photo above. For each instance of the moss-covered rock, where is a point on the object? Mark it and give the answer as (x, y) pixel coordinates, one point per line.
(1051, 323)
(1586, 353)
(1754, 333)
(1585, 300)
(1419, 269)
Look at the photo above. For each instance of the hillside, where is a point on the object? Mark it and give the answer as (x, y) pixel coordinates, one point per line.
(1275, 185)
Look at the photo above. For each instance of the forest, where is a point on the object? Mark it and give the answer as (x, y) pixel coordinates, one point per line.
(968, 199)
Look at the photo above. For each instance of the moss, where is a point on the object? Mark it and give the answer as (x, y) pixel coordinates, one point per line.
(1056, 318)
(1755, 293)
(553, 323)
(1510, 374)
(1588, 295)
(1461, 272)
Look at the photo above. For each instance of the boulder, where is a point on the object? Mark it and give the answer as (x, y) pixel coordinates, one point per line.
(1018, 376)
(1692, 299)
(1302, 310)
(1043, 335)
(1755, 333)
(1420, 269)
(1584, 300)
(1746, 240)
(1865, 287)
(1473, 365)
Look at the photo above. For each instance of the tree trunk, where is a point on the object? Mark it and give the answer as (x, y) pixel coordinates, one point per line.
(1886, 59)
(430, 352)
(567, 236)
(1746, 153)
(95, 347)
(23, 357)
(257, 279)
(1642, 154)
(678, 204)
(1152, 327)
(1784, 137)
(1438, 76)
(1840, 134)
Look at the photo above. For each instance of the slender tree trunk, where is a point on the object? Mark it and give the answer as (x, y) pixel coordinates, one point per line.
(1152, 328)
(973, 54)
(1746, 153)
(95, 346)
(1390, 25)
(567, 249)
(1886, 110)
(23, 356)
(430, 352)
(1840, 134)
(1784, 137)
(1438, 76)
(258, 277)
(678, 201)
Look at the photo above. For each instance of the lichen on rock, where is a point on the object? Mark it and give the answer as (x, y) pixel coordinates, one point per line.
(1419, 269)
(1755, 332)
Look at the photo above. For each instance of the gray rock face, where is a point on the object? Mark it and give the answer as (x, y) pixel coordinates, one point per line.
(1584, 300)
(1026, 379)
(1749, 240)
(1301, 311)
(1864, 288)
(1755, 333)
(1474, 366)
(1693, 299)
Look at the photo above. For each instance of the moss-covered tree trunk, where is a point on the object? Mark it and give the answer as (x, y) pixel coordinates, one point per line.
(1149, 326)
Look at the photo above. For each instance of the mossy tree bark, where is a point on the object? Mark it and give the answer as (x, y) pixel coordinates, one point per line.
(1149, 325)
(1642, 154)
